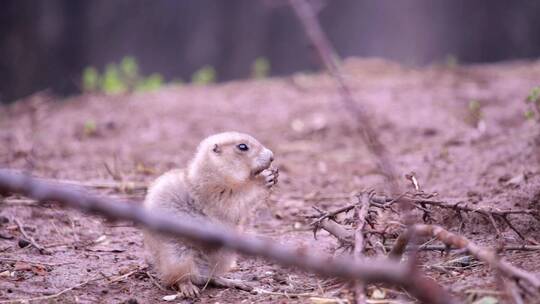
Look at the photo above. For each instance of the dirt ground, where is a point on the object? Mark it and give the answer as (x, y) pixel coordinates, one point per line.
(487, 156)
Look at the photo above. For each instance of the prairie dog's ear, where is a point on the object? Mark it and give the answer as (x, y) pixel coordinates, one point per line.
(216, 149)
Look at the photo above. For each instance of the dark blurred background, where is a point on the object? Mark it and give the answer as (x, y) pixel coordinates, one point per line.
(47, 44)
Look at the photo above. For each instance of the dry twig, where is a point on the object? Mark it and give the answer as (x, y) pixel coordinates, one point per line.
(329, 57)
(421, 203)
(488, 212)
(30, 239)
(457, 241)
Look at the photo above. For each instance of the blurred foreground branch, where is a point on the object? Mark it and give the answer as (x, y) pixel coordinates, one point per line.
(368, 271)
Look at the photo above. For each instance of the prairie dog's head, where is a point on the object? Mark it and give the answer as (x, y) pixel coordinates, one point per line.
(231, 156)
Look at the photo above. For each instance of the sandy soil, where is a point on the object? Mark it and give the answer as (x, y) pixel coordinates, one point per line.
(118, 142)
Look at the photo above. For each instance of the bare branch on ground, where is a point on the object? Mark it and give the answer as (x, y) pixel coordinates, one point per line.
(481, 253)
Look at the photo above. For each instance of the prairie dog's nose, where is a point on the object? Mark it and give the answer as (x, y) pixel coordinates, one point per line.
(271, 155)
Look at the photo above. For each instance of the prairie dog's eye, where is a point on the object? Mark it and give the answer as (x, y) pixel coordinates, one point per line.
(242, 147)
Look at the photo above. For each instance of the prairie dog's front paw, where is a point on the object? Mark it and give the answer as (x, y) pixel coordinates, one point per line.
(270, 177)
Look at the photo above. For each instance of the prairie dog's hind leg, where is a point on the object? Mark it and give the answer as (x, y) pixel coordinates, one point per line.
(176, 268)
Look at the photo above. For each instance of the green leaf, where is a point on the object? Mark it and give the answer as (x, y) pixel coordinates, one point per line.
(90, 127)
(111, 82)
(534, 95)
(260, 68)
(451, 61)
(529, 114)
(204, 75)
(151, 83)
(129, 67)
(90, 79)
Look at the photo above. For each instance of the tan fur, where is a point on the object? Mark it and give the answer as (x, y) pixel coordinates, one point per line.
(221, 184)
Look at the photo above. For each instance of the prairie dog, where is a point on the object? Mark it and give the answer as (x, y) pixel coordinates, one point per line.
(229, 174)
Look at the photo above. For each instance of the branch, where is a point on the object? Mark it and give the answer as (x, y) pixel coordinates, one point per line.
(488, 212)
(361, 218)
(30, 239)
(214, 235)
(330, 59)
(457, 241)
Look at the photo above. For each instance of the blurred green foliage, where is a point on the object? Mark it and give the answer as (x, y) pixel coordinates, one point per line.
(120, 78)
(260, 68)
(475, 113)
(451, 61)
(204, 75)
(90, 128)
(534, 95)
(533, 101)
(150, 83)
(125, 77)
(475, 107)
(90, 79)
(111, 81)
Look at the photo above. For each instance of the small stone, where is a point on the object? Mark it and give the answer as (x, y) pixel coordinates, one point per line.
(5, 273)
(3, 219)
(170, 298)
(23, 243)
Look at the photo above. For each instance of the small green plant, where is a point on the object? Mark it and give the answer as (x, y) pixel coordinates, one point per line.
(451, 61)
(90, 128)
(112, 82)
(152, 82)
(204, 75)
(475, 113)
(120, 78)
(129, 68)
(533, 102)
(260, 68)
(90, 79)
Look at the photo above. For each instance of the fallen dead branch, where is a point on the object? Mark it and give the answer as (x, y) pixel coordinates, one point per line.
(448, 248)
(344, 236)
(423, 204)
(327, 220)
(212, 235)
(488, 212)
(481, 253)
